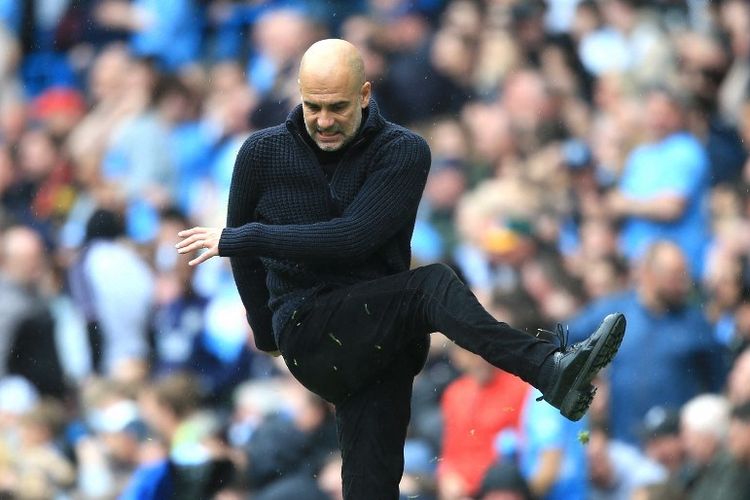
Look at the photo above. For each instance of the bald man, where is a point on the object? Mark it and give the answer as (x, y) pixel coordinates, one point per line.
(320, 217)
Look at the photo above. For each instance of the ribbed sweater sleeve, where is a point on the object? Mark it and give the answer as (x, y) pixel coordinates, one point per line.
(384, 204)
(249, 273)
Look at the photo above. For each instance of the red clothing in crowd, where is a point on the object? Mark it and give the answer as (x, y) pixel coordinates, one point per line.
(473, 415)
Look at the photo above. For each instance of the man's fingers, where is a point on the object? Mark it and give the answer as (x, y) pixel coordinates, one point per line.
(193, 243)
(201, 258)
(197, 245)
(197, 237)
(191, 231)
(185, 242)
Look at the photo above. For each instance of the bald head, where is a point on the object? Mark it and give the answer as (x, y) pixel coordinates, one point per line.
(332, 60)
(334, 92)
(664, 254)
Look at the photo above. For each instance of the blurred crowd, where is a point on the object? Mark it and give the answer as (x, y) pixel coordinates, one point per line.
(587, 156)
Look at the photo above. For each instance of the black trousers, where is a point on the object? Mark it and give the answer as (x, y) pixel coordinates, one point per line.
(360, 347)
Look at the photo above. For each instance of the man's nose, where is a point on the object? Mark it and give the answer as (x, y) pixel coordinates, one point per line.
(325, 120)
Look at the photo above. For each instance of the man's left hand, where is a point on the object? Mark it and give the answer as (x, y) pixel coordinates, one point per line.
(198, 238)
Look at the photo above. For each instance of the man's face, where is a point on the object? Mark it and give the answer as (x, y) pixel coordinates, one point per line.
(673, 292)
(667, 450)
(669, 280)
(663, 116)
(332, 110)
(700, 447)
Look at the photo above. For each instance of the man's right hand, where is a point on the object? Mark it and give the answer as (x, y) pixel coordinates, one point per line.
(198, 238)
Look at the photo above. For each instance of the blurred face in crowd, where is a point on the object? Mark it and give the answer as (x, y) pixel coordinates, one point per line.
(600, 278)
(665, 278)
(445, 186)
(724, 281)
(334, 93)
(472, 365)
(601, 471)
(156, 415)
(664, 116)
(700, 446)
(667, 450)
(37, 154)
(598, 238)
(587, 18)
(109, 72)
(22, 256)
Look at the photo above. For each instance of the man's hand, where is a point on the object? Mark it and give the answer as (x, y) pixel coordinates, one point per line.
(198, 238)
(666, 207)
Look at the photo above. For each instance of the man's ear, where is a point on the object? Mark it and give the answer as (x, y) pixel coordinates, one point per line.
(364, 94)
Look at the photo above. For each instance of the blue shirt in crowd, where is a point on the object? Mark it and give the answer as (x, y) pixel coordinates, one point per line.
(172, 32)
(544, 429)
(677, 165)
(665, 359)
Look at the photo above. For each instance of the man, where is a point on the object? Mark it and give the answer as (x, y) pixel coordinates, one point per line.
(663, 188)
(195, 467)
(117, 317)
(681, 354)
(617, 470)
(27, 326)
(475, 408)
(660, 438)
(321, 212)
(704, 431)
(737, 484)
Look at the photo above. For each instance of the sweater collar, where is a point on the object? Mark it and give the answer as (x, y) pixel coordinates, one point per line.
(373, 121)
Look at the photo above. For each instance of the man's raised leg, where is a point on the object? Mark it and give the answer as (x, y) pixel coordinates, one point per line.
(345, 338)
(563, 373)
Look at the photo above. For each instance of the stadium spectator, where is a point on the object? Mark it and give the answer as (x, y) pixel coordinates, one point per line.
(704, 427)
(618, 470)
(662, 192)
(28, 345)
(117, 316)
(682, 355)
(476, 407)
(660, 438)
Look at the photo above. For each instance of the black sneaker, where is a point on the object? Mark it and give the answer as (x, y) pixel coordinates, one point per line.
(576, 366)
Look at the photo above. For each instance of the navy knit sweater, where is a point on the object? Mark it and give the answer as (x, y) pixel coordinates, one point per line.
(291, 233)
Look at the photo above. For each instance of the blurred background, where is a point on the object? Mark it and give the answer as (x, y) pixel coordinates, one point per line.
(588, 156)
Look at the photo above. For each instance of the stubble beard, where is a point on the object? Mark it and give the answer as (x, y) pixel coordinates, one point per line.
(346, 139)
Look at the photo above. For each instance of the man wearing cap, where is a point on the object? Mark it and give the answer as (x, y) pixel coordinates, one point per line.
(660, 435)
(321, 212)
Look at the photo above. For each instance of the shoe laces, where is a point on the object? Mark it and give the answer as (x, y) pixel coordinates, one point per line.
(560, 334)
